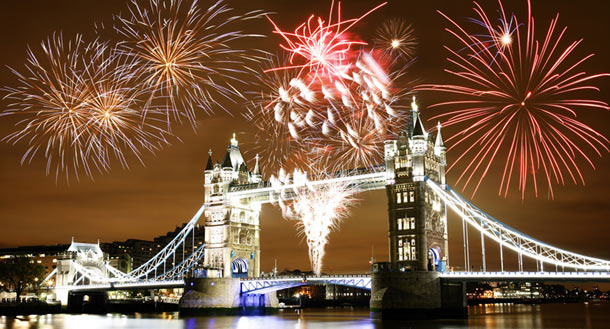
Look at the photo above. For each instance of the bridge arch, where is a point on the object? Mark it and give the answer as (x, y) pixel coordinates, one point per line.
(239, 268)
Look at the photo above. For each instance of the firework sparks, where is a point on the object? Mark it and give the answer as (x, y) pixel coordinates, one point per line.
(396, 37)
(344, 127)
(187, 54)
(325, 46)
(77, 108)
(318, 208)
(524, 101)
(498, 36)
(278, 127)
(349, 132)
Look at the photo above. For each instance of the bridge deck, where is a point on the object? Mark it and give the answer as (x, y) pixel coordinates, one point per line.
(266, 284)
(528, 276)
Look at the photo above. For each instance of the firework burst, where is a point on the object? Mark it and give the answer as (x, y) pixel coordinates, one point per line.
(318, 208)
(324, 47)
(187, 54)
(396, 37)
(117, 125)
(277, 114)
(348, 129)
(77, 108)
(343, 126)
(522, 97)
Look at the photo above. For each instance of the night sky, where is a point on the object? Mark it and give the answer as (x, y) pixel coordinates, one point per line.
(146, 201)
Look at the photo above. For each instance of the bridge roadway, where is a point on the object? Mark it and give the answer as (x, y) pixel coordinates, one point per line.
(364, 179)
(363, 281)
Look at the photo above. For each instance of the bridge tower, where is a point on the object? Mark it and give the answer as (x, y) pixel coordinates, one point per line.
(410, 284)
(417, 217)
(232, 245)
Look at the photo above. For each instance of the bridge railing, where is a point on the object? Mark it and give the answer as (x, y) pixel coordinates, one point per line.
(508, 237)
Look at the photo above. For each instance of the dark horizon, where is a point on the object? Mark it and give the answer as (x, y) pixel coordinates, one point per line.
(150, 200)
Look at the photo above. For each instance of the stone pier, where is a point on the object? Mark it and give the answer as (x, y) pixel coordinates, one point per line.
(416, 295)
(223, 296)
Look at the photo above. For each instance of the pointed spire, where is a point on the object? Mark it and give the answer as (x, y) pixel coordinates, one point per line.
(439, 138)
(210, 164)
(439, 146)
(257, 170)
(414, 106)
(234, 141)
(418, 126)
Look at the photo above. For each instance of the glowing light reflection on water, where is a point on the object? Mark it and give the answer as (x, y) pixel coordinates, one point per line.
(483, 316)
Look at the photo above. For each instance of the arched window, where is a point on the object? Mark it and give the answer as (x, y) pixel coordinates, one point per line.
(239, 268)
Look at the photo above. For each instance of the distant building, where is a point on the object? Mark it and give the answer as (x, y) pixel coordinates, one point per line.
(522, 290)
(512, 290)
(43, 255)
(347, 294)
(132, 253)
(122, 255)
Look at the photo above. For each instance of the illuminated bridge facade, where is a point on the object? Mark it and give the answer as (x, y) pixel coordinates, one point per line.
(414, 179)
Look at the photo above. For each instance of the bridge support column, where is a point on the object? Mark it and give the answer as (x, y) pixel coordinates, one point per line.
(61, 295)
(418, 294)
(223, 296)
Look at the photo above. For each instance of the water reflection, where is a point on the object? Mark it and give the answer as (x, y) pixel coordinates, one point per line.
(481, 316)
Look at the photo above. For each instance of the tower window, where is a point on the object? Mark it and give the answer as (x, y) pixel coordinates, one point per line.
(403, 224)
(406, 248)
(398, 197)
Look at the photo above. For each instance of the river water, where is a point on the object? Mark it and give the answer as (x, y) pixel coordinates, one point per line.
(581, 315)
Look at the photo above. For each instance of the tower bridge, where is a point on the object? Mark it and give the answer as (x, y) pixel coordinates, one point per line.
(228, 263)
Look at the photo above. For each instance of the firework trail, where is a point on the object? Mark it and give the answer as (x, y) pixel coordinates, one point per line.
(396, 37)
(77, 109)
(318, 208)
(189, 55)
(521, 96)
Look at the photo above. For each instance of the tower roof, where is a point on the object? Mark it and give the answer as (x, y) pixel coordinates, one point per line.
(210, 164)
(233, 158)
(418, 129)
(86, 248)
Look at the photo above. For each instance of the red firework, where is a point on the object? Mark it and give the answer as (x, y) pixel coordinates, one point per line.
(324, 45)
(518, 101)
